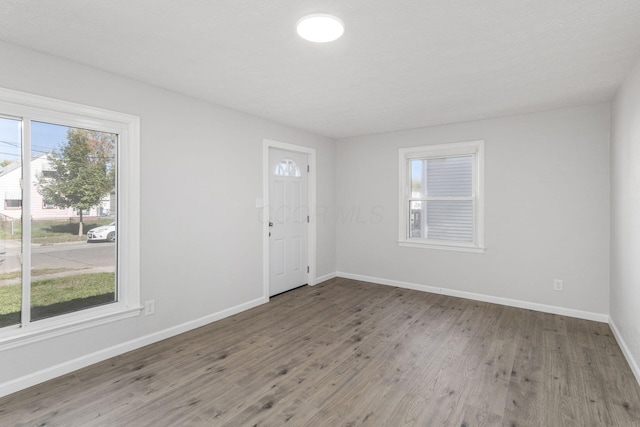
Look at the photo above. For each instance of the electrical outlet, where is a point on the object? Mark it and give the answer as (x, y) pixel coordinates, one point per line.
(557, 285)
(149, 307)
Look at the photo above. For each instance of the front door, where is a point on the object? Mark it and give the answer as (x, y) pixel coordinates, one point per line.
(288, 220)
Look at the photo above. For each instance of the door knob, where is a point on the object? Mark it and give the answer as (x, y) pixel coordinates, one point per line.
(270, 224)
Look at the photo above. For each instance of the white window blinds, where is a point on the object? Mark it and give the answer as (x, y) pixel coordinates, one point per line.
(441, 203)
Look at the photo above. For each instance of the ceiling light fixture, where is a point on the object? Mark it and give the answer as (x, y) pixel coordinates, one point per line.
(320, 28)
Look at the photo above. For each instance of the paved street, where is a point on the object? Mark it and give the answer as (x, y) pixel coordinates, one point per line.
(80, 255)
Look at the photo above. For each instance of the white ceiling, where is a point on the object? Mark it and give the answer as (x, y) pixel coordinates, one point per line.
(401, 64)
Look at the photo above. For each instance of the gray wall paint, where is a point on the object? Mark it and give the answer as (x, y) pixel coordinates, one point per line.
(547, 209)
(625, 215)
(201, 171)
(547, 206)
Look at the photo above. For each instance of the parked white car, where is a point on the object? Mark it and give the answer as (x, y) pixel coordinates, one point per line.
(104, 233)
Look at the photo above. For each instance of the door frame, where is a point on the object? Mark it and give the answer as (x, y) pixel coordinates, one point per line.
(311, 203)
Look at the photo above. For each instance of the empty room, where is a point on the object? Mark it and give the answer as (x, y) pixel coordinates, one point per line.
(320, 213)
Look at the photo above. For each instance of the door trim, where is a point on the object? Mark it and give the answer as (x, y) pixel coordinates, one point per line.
(311, 202)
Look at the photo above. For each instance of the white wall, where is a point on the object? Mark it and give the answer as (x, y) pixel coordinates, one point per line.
(201, 171)
(625, 217)
(547, 211)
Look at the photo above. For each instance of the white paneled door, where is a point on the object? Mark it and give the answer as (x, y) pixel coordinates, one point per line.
(288, 220)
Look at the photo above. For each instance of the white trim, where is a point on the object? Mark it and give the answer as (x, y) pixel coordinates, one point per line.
(311, 200)
(59, 111)
(635, 367)
(25, 183)
(442, 247)
(34, 107)
(442, 150)
(128, 239)
(569, 312)
(66, 324)
(326, 277)
(81, 362)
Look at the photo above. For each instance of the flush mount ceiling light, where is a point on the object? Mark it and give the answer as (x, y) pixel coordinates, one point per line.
(320, 28)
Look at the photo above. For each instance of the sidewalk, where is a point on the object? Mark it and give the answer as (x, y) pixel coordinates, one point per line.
(10, 244)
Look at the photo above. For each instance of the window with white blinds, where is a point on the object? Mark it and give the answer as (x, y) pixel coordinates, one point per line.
(441, 202)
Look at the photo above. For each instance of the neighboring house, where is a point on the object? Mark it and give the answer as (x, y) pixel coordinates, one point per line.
(11, 193)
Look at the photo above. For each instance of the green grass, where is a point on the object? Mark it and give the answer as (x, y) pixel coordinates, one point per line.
(51, 231)
(50, 297)
(36, 272)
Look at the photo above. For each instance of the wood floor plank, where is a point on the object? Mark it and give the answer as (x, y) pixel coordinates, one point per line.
(351, 353)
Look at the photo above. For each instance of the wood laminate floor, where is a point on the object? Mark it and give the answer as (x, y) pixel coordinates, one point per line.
(347, 353)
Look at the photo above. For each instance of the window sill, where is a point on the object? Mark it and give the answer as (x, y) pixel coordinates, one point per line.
(65, 324)
(442, 247)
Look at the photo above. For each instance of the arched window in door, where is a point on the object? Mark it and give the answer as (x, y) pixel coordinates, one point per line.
(287, 167)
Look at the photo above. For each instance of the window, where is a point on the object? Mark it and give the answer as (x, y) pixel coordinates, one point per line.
(441, 202)
(287, 167)
(13, 203)
(80, 160)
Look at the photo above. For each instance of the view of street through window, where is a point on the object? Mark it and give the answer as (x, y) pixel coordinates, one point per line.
(71, 209)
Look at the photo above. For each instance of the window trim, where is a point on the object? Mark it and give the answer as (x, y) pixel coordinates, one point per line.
(405, 155)
(38, 108)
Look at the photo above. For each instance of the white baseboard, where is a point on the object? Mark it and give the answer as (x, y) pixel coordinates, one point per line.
(569, 312)
(326, 277)
(635, 368)
(81, 362)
